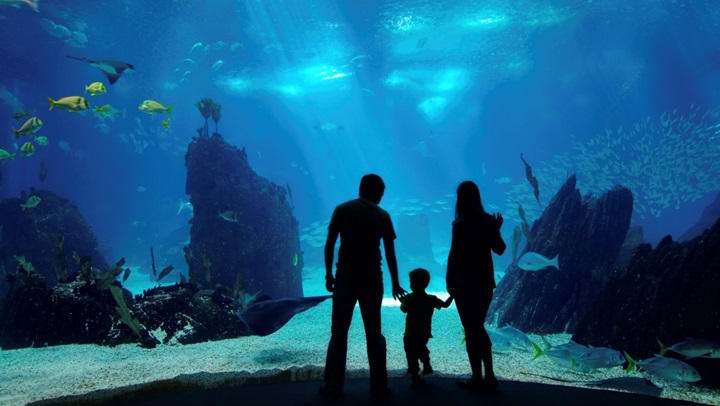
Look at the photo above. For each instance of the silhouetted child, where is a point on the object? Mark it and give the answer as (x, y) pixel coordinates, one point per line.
(419, 307)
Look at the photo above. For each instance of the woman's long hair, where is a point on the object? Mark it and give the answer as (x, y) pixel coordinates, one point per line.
(468, 202)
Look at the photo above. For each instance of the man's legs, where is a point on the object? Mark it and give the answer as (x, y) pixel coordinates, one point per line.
(370, 305)
(342, 311)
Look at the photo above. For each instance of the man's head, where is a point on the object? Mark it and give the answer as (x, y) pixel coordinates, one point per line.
(372, 187)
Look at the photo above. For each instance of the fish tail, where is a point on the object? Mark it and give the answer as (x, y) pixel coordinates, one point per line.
(631, 362)
(554, 262)
(169, 110)
(663, 349)
(51, 101)
(17, 133)
(538, 351)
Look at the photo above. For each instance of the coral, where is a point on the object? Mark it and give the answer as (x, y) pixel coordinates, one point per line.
(208, 108)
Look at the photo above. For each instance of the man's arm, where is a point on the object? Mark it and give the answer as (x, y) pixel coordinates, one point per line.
(397, 291)
(329, 256)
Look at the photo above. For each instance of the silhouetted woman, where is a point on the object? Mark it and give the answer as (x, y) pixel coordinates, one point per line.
(470, 279)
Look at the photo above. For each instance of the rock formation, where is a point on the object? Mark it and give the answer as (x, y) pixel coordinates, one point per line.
(587, 235)
(39, 234)
(667, 293)
(707, 219)
(243, 234)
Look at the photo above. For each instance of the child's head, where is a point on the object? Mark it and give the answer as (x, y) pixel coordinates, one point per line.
(419, 279)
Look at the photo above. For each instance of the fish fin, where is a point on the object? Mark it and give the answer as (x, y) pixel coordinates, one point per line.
(112, 77)
(554, 262)
(663, 349)
(538, 351)
(79, 59)
(52, 103)
(169, 110)
(631, 362)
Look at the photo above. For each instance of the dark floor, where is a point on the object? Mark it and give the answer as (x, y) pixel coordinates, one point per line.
(439, 392)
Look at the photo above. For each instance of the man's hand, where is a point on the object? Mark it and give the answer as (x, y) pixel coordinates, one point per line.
(398, 292)
(329, 283)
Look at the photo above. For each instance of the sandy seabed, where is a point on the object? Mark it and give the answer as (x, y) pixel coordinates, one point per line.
(34, 374)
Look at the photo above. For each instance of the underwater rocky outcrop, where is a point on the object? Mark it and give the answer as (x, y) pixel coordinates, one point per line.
(587, 234)
(669, 293)
(243, 234)
(88, 309)
(40, 231)
(707, 219)
(93, 308)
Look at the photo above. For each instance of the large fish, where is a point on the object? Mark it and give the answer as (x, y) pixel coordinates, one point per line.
(694, 348)
(666, 368)
(517, 338)
(112, 69)
(265, 315)
(500, 343)
(601, 357)
(532, 261)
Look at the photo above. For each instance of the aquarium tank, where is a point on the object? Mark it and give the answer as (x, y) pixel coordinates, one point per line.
(169, 169)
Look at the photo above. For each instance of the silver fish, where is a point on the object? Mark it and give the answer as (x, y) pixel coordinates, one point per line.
(532, 261)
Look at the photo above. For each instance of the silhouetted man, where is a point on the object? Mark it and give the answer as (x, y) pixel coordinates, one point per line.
(361, 224)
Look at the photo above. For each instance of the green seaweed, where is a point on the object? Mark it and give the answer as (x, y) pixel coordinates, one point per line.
(123, 311)
(107, 278)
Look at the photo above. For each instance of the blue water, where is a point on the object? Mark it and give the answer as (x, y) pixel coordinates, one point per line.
(427, 93)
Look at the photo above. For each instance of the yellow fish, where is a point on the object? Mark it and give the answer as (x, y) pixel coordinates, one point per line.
(42, 140)
(31, 126)
(108, 111)
(31, 203)
(95, 88)
(6, 155)
(72, 104)
(166, 124)
(27, 149)
(152, 107)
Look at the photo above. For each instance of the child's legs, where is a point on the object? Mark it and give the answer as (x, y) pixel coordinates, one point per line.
(411, 353)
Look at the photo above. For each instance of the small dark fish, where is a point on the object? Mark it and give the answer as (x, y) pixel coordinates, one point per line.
(43, 171)
(421, 42)
(126, 275)
(532, 179)
(164, 272)
(20, 115)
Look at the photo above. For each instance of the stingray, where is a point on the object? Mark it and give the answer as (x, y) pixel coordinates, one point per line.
(637, 385)
(112, 69)
(266, 315)
(532, 179)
